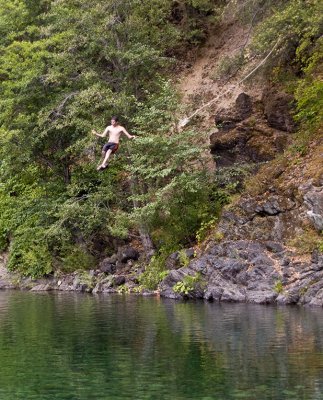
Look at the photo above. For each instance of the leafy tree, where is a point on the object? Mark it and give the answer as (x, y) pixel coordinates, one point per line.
(173, 193)
(66, 67)
(297, 27)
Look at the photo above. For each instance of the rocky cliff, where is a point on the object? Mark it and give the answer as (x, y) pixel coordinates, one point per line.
(267, 245)
(269, 236)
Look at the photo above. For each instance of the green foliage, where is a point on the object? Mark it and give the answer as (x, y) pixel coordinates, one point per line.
(205, 229)
(52, 88)
(29, 253)
(230, 180)
(298, 27)
(65, 68)
(294, 23)
(309, 90)
(86, 279)
(299, 148)
(278, 287)
(184, 260)
(171, 187)
(188, 284)
(203, 5)
(309, 96)
(229, 66)
(73, 257)
(194, 17)
(156, 270)
(308, 241)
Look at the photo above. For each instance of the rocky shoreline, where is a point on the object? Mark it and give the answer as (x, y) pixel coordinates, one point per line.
(230, 271)
(252, 272)
(115, 274)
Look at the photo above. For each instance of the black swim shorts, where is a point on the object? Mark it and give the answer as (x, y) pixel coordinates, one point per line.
(110, 146)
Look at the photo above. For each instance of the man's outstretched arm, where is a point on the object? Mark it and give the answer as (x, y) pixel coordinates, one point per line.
(128, 134)
(103, 134)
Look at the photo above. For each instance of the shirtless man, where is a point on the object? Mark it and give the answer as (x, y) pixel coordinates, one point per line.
(115, 130)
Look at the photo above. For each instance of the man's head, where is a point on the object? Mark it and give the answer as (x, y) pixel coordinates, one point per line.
(114, 121)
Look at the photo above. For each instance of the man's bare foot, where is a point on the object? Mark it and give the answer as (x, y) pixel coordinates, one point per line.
(102, 167)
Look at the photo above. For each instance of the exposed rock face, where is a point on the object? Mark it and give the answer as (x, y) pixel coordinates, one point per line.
(255, 272)
(127, 253)
(277, 110)
(227, 119)
(277, 216)
(246, 134)
(313, 200)
(255, 263)
(117, 261)
(174, 260)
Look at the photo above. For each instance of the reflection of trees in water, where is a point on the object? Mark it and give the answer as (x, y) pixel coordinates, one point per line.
(256, 342)
(280, 342)
(117, 344)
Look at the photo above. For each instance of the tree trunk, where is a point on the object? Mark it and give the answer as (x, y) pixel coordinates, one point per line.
(143, 231)
(147, 243)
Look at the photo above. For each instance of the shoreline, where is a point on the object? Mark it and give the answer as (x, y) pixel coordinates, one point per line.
(229, 272)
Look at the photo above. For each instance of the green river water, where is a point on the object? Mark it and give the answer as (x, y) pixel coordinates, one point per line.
(73, 346)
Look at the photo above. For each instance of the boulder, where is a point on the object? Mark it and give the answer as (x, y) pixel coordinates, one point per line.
(107, 267)
(127, 253)
(278, 108)
(97, 288)
(274, 247)
(119, 280)
(227, 119)
(243, 105)
(3, 284)
(313, 200)
(43, 287)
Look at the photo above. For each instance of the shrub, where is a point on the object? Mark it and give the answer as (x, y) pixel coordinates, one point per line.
(229, 66)
(74, 257)
(308, 241)
(188, 284)
(184, 260)
(205, 229)
(278, 287)
(156, 270)
(29, 254)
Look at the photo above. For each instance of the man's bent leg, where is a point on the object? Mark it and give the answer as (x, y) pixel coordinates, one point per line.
(106, 158)
(103, 153)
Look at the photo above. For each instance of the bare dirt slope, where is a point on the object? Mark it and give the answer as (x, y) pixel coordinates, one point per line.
(200, 82)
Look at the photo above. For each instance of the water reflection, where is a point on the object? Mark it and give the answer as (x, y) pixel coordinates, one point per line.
(72, 346)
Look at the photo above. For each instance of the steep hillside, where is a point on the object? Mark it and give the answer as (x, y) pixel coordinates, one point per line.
(267, 244)
(227, 206)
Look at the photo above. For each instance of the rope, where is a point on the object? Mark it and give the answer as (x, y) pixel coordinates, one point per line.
(186, 120)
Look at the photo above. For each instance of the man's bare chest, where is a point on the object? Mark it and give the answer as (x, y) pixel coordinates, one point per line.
(115, 130)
